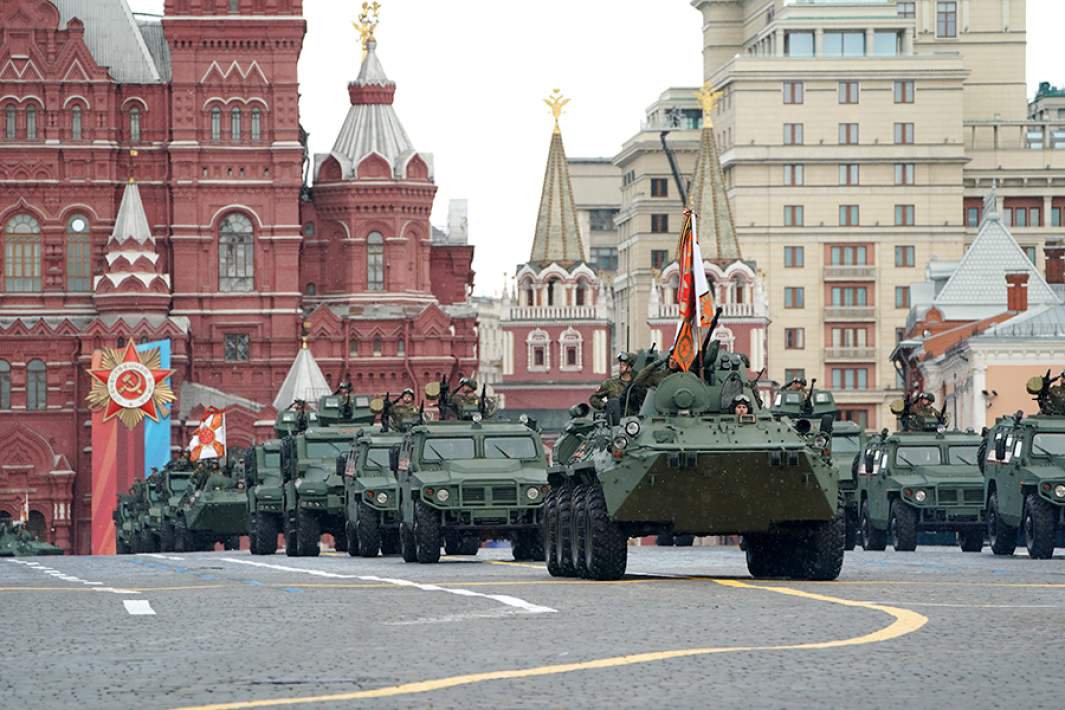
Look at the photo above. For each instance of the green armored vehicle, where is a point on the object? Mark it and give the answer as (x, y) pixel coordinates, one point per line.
(17, 541)
(920, 481)
(212, 512)
(313, 490)
(265, 495)
(1023, 463)
(371, 494)
(126, 525)
(465, 481)
(699, 455)
(177, 481)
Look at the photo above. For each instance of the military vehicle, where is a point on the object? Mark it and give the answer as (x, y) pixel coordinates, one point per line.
(675, 459)
(313, 489)
(371, 494)
(17, 541)
(126, 524)
(265, 495)
(213, 512)
(465, 481)
(919, 481)
(1023, 462)
(177, 480)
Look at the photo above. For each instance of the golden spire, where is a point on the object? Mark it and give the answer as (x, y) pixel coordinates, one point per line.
(367, 23)
(133, 153)
(556, 103)
(708, 98)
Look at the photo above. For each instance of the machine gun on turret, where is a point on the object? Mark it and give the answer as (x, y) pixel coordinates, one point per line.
(1043, 394)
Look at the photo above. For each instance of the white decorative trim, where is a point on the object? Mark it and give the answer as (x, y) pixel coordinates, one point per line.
(77, 97)
(138, 99)
(538, 339)
(570, 338)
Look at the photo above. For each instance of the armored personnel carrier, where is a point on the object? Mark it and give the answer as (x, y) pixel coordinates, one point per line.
(920, 481)
(211, 513)
(126, 524)
(265, 495)
(371, 494)
(683, 462)
(313, 489)
(1023, 464)
(17, 541)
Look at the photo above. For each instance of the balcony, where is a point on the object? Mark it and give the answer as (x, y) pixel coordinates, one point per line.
(671, 311)
(850, 354)
(850, 313)
(850, 273)
(554, 313)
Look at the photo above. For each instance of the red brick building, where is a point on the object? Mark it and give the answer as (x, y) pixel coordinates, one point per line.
(220, 246)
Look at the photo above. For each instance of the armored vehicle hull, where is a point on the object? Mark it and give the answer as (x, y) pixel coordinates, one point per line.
(371, 495)
(19, 542)
(847, 441)
(213, 514)
(265, 496)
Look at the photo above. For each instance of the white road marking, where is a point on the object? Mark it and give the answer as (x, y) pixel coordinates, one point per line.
(160, 557)
(138, 607)
(505, 599)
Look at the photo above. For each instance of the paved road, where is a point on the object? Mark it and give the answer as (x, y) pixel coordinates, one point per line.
(687, 628)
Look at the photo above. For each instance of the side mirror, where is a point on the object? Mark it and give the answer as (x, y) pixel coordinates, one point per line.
(869, 459)
(828, 421)
(1000, 448)
(393, 459)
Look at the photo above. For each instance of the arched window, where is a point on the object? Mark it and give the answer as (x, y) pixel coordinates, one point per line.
(10, 122)
(234, 125)
(539, 351)
(551, 292)
(256, 125)
(377, 349)
(36, 386)
(312, 289)
(79, 254)
(353, 346)
(75, 123)
(570, 345)
(135, 125)
(22, 255)
(5, 385)
(579, 297)
(37, 525)
(375, 262)
(236, 245)
(216, 124)
(31, 123)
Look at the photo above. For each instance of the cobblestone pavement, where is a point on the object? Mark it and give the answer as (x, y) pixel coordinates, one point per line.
(686, 628)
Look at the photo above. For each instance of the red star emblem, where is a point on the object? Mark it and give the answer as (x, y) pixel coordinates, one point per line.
(131, 385)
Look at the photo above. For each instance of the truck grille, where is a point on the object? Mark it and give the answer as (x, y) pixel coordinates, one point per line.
(973, 495)
(960, 496)
(505, 494)
(490, 495)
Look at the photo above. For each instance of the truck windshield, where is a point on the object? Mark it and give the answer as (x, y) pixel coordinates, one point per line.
(845, 444)
(964, 455)
(447, 449)
(179, 484)
(272, 459)
(377, 458)
(918, 456)
(324, 449)
(1048, 444)
(509, 447)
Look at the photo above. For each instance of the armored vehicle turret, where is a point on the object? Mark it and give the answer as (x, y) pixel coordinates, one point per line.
(700, 456)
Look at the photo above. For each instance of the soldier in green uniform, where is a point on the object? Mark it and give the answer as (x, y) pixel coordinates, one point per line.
(741, 405)
(403, 410)
(466, 394)
(199, 475)
(1055, 399)
(798, 384)
(922, 413)
(303, 419)
(615, 386)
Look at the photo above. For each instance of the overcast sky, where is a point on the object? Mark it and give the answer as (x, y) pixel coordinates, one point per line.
(471, 75)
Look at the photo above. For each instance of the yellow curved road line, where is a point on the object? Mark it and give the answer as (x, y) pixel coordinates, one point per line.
(905, 622)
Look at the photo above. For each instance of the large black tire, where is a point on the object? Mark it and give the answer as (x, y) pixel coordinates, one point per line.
(470, 545)
(407, 548)
(181, 537)
(426, 533)
(308, 533)
(608, 545)
(872, 539)
(390, 542)
(352, 539)
(528, 546)
(1040, 527)
(971, 539)
(231, 543)
(166, 538)
(452, 543)
(850, 538)
(367, 532)
(1003, 537)
(550, 532)
(902, 524)
(264, 541)
(578, 533)
(291, 534)
(340, 540)
(769, 555)
(819, 552)
(664, 541)
(563, 528)
(683, 540)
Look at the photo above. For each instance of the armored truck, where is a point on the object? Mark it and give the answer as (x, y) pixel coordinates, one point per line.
(214, 512)
(920, 481)
(371, 494)
(126, 524)
(177, 480)
(689, 460)
(265, 495)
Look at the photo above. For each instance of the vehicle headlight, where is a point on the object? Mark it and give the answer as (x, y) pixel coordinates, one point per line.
(632, 428)
(477, 417)
(524, 419)
(442, 495)
(920, 496)
(382, 498)
(532, 493)
(1059, 491)
(620, 443)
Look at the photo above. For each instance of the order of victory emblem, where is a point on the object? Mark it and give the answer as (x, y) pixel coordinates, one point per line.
(130, 385)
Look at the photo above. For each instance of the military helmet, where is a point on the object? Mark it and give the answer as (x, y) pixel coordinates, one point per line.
(799, 381)
(625, 357)
(931, 398)
(741, 399)
(406, 391)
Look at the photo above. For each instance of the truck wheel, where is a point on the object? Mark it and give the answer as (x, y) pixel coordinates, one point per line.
(308, 533)
(550, 530)
(426, 533)
(1003, 538)
(768, 556)
(470, 545)
(406, 544)
(872, 539)
(181, 537)
(608, 544)
(664, 541)
(1039, 527)
(291, 535)
(452, 543)
(683, 540)
(903, 527)
(562, 532)
(351, 538)
(390, 542)
(971, 539)
(367, 534)
(820, 554)
(121, 548)
(166, 539)
(264, 541)
(340, 540)
(578, 533)
(232, 543)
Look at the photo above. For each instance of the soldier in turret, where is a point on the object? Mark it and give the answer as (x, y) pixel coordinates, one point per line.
(615, 386)
(403, 410)
(741, 405)
(922, 413)
(797, 384)
(303, 419)
(466, 394)
(1055, 398)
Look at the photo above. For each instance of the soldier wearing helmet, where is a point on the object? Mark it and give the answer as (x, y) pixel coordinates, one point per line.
(615, 386)
(922, 413)
(797, 384)
(741, 405)
(403, 410)
(1055, 399)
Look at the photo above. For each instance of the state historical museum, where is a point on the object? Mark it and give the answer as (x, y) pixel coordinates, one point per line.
(155, 184)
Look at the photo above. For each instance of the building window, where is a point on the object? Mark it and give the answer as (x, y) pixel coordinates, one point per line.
(792, 374)
(849, 337)
(236, 254)
(353, 346)
(605, 258)
(793, 92)
(848, 255)
(794, 338)
(551, 285)
(793, 216)
(79, 254)
(377, 346)
(793, 174)
(799, 44)
(659, 187)
(850, 296)
(658, 258)
(1055, 216)
(256, 125)
(234, 6)
(972, 216)
(237, 347)
(849, 174)
(848, 215)
(10, 122)
(902, 297)
(135, 125)
(401, 347)
(904, 256)
(844, 44)
(904, 92)
(602, 220)
(947, 19)
(904, 216)
(848, 134)
(906, 8)
(887, 43)
(1023, 216)
(539, 357)
(1031, 253)
(31, 123)
(659, 223)
(5, 385)
(848, 92)
(904, 173)
(570, 344)
(36, 386)
(858, 416)
(234, 125)
(904, 134)
(794, 257)
(216, 124)
(794, 297)
(375, 262)
(792, 134)
(75, 123)
(850, 378)
(22, 255)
